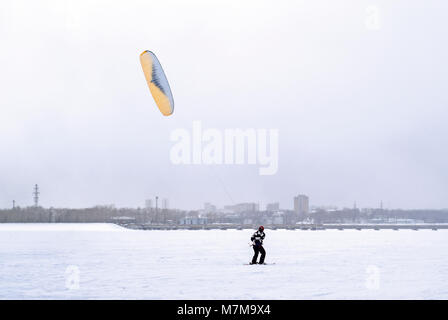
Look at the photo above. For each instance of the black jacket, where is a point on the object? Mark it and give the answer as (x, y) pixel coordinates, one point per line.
(258, 238)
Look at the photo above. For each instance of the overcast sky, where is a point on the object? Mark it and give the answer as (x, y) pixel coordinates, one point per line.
(361, 111)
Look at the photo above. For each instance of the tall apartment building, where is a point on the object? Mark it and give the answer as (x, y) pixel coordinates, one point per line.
(301, 204)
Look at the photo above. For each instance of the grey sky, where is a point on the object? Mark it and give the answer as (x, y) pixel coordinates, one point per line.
(362, 114)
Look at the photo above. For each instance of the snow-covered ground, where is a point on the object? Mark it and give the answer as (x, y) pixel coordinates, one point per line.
(100, 261)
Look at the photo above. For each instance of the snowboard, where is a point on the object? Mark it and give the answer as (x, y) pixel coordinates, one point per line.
(264, 264)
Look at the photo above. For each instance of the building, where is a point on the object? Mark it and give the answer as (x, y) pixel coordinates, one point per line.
(248, 221)
(193, 220)
(242, 207)
(148, 204)
(301, 205)
(209, 208)
(278, 218)
(272, 207)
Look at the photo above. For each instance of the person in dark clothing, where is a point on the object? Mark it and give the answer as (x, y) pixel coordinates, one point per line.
(257, 243)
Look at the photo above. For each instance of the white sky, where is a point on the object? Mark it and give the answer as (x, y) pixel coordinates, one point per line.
(362, 114)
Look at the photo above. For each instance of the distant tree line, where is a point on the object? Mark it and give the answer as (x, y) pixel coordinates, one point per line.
(94, 214)
(172, 216)
(380, 215)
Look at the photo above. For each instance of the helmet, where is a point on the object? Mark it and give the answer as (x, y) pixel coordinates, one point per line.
(261, 228)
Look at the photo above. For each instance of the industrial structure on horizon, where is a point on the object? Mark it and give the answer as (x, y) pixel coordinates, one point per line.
(36, 195)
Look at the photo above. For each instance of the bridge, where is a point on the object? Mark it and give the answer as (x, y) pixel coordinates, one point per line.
(304, 227)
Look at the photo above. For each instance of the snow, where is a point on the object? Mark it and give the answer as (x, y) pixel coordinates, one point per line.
(183, 264)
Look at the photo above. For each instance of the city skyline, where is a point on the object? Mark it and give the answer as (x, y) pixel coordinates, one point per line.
(300, 204)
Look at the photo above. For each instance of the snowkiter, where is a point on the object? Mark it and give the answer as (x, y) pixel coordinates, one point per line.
(257, 243)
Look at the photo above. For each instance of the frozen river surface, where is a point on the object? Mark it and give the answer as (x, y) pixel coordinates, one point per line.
(103, 261)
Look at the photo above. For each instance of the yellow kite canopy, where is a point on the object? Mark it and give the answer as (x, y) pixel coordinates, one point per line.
(157, 82)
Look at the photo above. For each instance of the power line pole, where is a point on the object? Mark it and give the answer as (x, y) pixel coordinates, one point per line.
(157, 208)
(36, 195)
